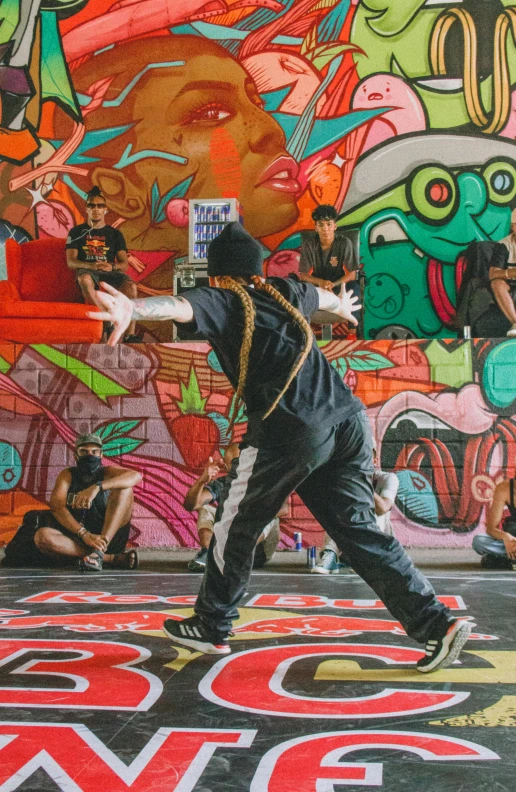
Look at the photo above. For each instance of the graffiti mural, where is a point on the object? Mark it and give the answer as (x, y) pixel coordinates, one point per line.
(443, 413)
(401, 115)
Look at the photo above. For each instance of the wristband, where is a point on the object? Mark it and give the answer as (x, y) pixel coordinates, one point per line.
(99, 485)
(82, 531)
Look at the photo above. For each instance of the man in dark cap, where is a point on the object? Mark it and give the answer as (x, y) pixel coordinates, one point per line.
(90, 512)
(306, 432)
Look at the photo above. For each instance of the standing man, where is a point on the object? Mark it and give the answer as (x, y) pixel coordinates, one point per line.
(90, 512)
(385, 487)
(328, 260)
(306, 432)
(96, 252)
(503, 279)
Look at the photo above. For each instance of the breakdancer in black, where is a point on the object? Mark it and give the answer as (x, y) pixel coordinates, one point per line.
(306, 432)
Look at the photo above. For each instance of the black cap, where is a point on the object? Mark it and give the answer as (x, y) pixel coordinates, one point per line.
(234, 252)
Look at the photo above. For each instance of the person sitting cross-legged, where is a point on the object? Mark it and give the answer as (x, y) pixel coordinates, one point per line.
(498, 545)
(204, 497)
(90, 512)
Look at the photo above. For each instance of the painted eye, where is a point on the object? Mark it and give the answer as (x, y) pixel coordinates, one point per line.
(432, 194)
(500, 177)
(388, 231)
(210, 112)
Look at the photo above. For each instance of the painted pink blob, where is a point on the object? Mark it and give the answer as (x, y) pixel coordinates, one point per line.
(386, 90)
(177, 212)
(54, 219)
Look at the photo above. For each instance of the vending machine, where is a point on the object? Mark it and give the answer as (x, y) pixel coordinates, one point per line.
(208, 216)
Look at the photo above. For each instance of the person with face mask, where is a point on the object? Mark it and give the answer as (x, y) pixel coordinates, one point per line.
(90, 513)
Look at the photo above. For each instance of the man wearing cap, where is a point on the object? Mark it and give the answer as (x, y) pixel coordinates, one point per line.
(90, 512)
(306, 432)
(503, 279)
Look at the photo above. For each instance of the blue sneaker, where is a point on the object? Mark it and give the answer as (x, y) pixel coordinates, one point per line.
(327, 565)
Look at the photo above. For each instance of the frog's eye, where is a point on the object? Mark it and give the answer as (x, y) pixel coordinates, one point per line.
(388, 231)
(500, 178)
(432, 194)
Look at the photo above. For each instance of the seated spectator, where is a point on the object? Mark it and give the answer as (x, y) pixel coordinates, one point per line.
(97, 252)
(476, 304)
(204, 497)
(89, 517)
(503, 279)
(498, 545)
(328, 260)
(385, 491)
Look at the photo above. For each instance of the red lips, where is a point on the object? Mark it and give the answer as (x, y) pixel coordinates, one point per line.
(281, 175)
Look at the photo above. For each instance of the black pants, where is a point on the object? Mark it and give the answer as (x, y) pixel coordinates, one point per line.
(332, 473)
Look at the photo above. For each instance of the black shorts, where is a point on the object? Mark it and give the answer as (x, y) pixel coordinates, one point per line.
(24, 553)
(116, 279)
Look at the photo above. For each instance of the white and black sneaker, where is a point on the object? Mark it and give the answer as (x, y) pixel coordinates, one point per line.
(194, 634)
(442, 651)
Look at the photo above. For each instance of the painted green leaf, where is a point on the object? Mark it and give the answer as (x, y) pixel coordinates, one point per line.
(121, 446)
(325, 53)
(368, 361)
(116, 429)
(310, 41)
(159, 203)
(241, 416)
(341, 365)
(96, 382)
(191, 402)
(223, 426)
(9, 18)
(155, 198)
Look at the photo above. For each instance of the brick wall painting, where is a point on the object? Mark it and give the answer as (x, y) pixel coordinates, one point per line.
(443, 413)
(401, 114)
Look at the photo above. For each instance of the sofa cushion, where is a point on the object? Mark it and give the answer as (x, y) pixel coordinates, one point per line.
(50, 331)
(45, 276)
(25, 309)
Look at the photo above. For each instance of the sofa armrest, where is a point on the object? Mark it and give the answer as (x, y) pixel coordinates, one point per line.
(8, 291)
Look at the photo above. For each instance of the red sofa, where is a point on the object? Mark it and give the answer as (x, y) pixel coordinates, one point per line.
(39, 301)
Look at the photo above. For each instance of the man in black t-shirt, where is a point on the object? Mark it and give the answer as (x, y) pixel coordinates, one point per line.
(306, 432)
(97, 252)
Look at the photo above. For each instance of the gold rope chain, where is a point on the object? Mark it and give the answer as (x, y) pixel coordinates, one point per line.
(501, 79)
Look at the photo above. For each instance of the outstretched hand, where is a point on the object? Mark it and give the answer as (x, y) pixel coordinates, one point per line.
(118, 309)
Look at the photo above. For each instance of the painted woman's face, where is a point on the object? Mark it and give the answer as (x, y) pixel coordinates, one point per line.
(201, 119)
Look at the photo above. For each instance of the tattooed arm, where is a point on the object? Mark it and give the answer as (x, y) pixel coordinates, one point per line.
(333, 308)
(159, 309)
(120, 311)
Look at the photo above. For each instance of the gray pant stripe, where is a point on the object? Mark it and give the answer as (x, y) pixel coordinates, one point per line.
(236, 495)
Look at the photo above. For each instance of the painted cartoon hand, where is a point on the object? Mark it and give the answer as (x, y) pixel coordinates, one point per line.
(118, 310)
